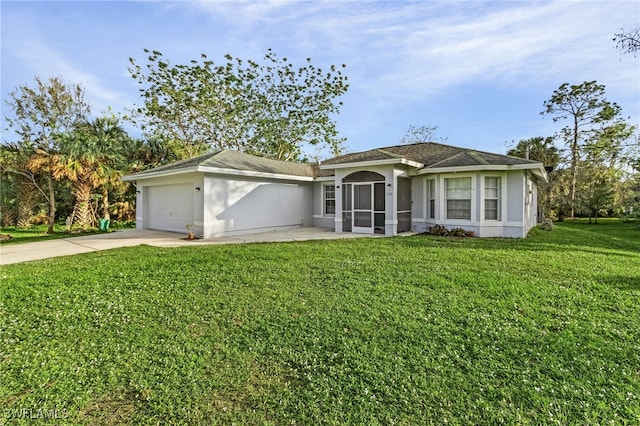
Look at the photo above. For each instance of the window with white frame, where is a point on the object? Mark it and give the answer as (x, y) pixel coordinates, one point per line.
(329, 199)
(458, 197)
(492, 198)
(431, 198)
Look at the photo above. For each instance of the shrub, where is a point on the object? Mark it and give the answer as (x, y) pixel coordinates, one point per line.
(437, 230)
(442, 231)
(457, 232)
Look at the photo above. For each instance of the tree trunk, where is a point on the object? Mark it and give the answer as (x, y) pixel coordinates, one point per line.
(26, 202)
(83, 216)
(52, 202)
(105, 202)
(574, 166)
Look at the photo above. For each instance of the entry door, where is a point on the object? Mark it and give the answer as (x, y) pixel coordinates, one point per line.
(363, 208)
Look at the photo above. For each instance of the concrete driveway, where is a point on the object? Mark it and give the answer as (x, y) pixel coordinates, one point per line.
(16, 253)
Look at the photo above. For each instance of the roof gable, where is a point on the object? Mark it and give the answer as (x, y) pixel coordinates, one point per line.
(229, 161)
(235, 160)
(430, 155)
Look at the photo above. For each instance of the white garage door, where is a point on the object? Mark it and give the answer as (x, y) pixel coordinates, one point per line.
(170, 207)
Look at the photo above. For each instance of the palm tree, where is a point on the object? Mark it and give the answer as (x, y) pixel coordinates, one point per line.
(90, 159)
(20, 186)
(37, 114)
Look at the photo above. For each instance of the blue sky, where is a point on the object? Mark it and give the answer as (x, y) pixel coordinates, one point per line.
(479, 70)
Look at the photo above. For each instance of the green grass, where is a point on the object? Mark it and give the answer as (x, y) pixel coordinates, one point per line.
(406, 330)
(39, 233)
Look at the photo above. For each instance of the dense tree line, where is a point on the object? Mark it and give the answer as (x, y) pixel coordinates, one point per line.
(65, 164)
(593, 162)
(61, 163)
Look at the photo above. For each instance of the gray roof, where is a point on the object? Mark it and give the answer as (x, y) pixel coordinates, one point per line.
(231, 160)
(432, 155)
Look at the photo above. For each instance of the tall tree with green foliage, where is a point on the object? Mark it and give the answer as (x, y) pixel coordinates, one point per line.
(38, 115)
(20, 186)
(91, 158)
(538, 148)
(543, 150)
(587, 110)
(604, 164)
(148, 153)
(270, 109)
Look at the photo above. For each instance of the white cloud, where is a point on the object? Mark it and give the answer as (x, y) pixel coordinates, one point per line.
(45, 62)
(405, 59)
(522, 43)
(402, 49)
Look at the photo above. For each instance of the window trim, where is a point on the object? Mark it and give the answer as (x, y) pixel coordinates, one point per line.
(499, 198)
(325, 187)
(502, 197)
(446, 200)
(430, 211)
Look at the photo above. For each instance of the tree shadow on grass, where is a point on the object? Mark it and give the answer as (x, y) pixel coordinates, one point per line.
(616, 239)
(623, 282)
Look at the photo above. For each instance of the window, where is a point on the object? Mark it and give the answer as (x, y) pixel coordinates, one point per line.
(458, 195)
(329, 199)
(491, 198)
(431, 198)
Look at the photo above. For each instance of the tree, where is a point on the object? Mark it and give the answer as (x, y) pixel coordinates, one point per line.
(598, 192)
(38, 116)
(628, 42)
(91, 158)
(604, 162)
(270, 109)
(538, 149)
(20, 186)
(542, 150)
(148, 153)
(588, 110)
(421, 134)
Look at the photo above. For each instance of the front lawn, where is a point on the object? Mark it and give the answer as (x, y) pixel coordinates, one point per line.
(39, 232)
(405, 330)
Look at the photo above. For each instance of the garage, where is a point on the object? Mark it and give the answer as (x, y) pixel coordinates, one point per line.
(224, 193)
(170, 207)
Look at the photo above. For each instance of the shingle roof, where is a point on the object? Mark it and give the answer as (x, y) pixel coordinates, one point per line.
(235, 160)
(232, 160)
(430, 154)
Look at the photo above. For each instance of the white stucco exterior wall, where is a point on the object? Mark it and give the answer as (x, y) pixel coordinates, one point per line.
(236, 205)
(225, 204)
(320, 219)
(517, 213)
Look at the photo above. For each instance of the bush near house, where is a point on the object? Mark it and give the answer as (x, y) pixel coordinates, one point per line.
(443, 231)
(404, 330)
